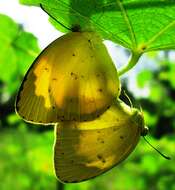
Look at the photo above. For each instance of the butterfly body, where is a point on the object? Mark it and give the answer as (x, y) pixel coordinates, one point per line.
(73, 79)
(87, 149)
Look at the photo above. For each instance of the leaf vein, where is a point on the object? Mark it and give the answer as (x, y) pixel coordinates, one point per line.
(161, 32)
(128, 22)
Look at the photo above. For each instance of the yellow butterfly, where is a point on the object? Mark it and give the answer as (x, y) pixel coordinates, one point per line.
(73, 79)
(84, 150)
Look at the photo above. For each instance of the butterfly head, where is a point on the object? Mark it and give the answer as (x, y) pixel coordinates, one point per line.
(139, 119)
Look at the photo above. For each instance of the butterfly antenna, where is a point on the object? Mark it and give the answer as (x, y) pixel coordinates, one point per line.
(166, 157)
(128, 99)
(140, 107)
(41, 6)
(141, 110)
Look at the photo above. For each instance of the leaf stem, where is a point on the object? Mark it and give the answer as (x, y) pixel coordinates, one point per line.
(132, 62)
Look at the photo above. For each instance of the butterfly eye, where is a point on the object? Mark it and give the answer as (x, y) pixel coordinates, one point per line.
(144, 131)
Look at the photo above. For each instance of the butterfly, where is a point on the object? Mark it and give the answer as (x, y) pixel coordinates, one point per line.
(73, 79)
(84, 150)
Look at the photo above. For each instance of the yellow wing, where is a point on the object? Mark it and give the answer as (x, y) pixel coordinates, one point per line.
(74, 78)
(87, 149)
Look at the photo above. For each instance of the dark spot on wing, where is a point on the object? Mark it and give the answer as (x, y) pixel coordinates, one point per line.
(62, 118)
(100, 140)
(108, 107)
(121, 137)
(100, 157)
(74, 75)
(54, 79)
(73, 54)
(100, 90)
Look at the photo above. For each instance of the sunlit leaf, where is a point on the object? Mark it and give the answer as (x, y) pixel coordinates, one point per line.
(150, 119)
(148, 25)
(24, 155)
(157, 92)
(144, 78)
(18, 50)
(9, 29)
(26, 160)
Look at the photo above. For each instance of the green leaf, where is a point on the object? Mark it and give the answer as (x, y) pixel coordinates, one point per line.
(144, 77)
(8, 60)
(157, 92)
(171, 74)
(140, 25)
(150, 119)
(27, 156)
(9, 29)
(27, 42)
(18, 51)
(26, 50)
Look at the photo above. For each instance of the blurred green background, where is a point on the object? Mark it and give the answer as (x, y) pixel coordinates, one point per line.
(26, 150)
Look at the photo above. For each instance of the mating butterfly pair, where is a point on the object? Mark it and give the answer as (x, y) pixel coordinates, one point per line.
(74, 84)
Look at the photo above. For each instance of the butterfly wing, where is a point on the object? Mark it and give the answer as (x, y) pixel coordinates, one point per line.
(87, 149)
(72, 79)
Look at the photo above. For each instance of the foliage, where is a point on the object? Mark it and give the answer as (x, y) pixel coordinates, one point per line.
(139, 25)
(26, 159)
(26, 163)
(18, 50)
(159, 106)
(118, 20)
